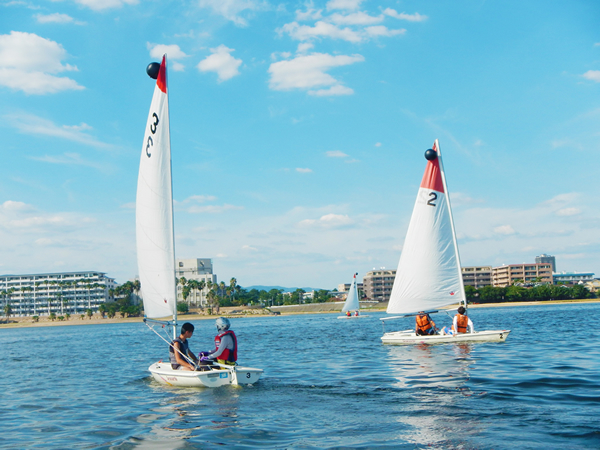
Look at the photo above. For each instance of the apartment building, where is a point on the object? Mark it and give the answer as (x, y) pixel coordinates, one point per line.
(507, 275)
(477, 276)
(377, 284)
(548, 259)
(199, 269)
(60, 293)
(573, 277)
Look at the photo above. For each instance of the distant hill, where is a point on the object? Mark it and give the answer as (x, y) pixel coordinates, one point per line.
(285, 289)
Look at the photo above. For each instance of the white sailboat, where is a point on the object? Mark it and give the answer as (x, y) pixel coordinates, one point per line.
(429, 275)
(352, 302)
(156, 247)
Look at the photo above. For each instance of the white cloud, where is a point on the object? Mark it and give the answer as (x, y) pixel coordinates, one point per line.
(303, 47)
(336, 154)
(504, 229)
(332, 91)
(213, 209)
(30, 124)
(328, 221)
(568, 212)
(231, 9)
(173, 52)
(343, 4)
(416, 17)
(29, 63)
(381, 30)
(10, 205)
(301, 170)
(308, 71)
(221, 62)
(74, 159)
(320, 29)
(309, 14)
(357, 18)
(56, 18)
(593, 75)
(200, 199)
(99, 5)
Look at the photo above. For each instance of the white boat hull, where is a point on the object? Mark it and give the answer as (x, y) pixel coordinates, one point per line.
(408, 337)
(238, 375)
(352, 317)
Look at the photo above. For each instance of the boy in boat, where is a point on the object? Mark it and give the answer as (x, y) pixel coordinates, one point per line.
(180, 347)
(225, 351)
(424, 324)
(461, 322)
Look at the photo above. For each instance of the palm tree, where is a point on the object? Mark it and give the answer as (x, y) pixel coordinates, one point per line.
(201, 286)
(232, 286)
(7, 311)
(37, 285)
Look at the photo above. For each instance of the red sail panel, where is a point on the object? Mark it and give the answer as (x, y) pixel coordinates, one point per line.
(161, 80)
(432, 178)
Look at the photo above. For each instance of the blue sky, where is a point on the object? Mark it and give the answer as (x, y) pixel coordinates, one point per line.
(298, 131)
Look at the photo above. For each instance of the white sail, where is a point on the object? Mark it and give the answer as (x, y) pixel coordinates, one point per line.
(428, 275)
(352, 303)
(154, 209)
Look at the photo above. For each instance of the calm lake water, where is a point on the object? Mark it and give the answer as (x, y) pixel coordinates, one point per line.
(328, 383)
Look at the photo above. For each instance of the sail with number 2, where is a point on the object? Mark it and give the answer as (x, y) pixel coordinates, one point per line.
(429, 275)
(154, 209)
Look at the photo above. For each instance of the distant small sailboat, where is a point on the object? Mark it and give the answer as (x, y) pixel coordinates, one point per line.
(156, 244)
(352, 302)
(429, 275)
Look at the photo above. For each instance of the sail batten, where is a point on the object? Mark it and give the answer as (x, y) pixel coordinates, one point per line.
(154, 209)
(428, 275)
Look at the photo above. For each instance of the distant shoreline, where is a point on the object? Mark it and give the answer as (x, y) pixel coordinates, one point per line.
(27, 322)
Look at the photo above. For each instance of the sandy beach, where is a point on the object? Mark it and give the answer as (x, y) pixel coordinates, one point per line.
(96, 319)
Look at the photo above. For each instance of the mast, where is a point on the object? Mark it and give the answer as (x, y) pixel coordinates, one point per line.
(439, 152)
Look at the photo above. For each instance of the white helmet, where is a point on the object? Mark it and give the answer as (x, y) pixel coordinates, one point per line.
(222, 324)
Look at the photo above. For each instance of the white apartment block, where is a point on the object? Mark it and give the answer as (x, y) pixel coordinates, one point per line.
(59, 293)
(199, 269)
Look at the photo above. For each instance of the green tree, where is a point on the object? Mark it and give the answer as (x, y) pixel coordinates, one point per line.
(89, 313)
(182, 308)
(470, 292)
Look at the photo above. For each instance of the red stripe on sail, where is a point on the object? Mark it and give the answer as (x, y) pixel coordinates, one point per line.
(161, 80)
(432, 178)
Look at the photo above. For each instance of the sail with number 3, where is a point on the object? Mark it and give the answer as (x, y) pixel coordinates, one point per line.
(154, 209)
(429, 275)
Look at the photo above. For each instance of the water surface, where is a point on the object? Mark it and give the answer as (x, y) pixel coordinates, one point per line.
(328, 383)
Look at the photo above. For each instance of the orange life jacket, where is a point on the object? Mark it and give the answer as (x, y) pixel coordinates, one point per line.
(424, 323)
(461, 323)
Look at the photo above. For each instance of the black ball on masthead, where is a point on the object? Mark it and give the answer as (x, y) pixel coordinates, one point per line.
(430, 155)
(153, 69)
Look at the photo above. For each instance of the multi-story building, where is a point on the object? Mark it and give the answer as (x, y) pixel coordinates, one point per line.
(377, 284)
(477, 276)
(525, 273)
(199, 269)
(572, 277)
(346, 287)
(60, 293)
(543, 258)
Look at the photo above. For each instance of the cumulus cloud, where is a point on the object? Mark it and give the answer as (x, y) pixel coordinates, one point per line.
(336, 154)
(504, 230)
(29, 63)
(99, 5)
(30, 124)
(309, 72)
(173, 53)
(328, 221)
(381, 30)
(320, 29)
(343, 4)
(416, 17)
(593, 75)
(232, 9)
(357, 18)
(57, 18)
(221, 62)
(568, 212)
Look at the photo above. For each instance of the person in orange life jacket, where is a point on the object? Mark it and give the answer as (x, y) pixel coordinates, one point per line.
(180, 347)
(461, 322)
(225, 343)
(424, 324)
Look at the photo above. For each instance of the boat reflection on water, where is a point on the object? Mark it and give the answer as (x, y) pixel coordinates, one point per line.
(437, 378)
